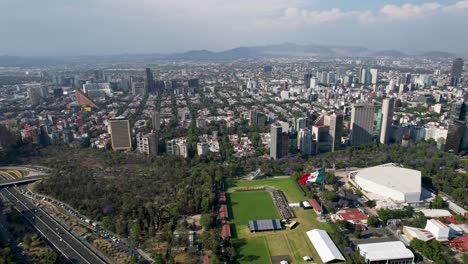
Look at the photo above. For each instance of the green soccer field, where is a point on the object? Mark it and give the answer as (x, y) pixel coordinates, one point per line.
(250, 205)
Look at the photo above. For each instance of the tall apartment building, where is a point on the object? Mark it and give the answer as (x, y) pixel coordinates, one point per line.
(335, 131)
(120, 134)
(147, 144)
(387, 119)
(156, 120)
(455, 133)
(456, 72)
(304, 141)
(362, 124)
(320, 139)
(276, 146)
(149, 81)
(177, 147)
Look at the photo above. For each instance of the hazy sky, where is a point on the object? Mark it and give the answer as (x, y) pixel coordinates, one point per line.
(78, 27)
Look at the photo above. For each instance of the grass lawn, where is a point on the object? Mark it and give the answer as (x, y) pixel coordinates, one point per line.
(252, 205)
(248, 205)
(254, 250)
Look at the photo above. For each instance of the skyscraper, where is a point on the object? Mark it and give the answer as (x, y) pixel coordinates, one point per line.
(120, 134)
(156, 119)
(149, 81)
(459, 111)
(300, 122)
(455, 133)
(320, 139)
(307, 78)
(457, 69)
(276, 146)
(374, 76)
(304, 141)
(253, 118)
(335, 124)
(362, 124)
(363, 75)
(387, 118)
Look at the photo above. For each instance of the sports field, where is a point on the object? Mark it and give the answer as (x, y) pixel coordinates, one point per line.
(259, 247)
(250, 205)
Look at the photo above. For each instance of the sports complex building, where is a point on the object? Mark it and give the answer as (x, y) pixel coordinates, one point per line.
(389, 181)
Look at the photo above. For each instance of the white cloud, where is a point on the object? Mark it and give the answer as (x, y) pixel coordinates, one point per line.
(409, 11)
(458, 6)
(296, 17)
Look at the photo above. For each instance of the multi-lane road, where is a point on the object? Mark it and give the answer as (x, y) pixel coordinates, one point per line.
(65, 242)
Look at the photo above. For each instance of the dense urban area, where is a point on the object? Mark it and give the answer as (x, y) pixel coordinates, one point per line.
(244, 160)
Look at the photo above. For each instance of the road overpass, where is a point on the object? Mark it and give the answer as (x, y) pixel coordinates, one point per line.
(18, 181)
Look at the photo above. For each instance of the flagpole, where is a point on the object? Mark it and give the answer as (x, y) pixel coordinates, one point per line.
(321, 200)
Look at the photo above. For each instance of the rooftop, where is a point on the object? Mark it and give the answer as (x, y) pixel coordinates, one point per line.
(385, 251)
(394, 177)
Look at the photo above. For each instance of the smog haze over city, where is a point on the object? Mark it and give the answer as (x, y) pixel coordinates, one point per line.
(243, 131)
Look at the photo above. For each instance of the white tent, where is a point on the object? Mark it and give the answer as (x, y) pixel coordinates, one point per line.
(324, 246)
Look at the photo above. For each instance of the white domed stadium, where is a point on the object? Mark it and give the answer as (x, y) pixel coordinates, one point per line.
(390, 181)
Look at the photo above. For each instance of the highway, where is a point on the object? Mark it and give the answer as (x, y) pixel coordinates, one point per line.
(70, 246)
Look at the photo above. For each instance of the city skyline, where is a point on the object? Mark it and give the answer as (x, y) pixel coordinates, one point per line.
(55, 28)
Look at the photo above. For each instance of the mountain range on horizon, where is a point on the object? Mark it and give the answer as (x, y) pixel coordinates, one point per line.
(264, 51)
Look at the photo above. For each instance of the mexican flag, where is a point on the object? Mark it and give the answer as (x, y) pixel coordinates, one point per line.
(318, 177)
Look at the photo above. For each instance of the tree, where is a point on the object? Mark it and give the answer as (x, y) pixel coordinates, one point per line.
(371, 203)
(357, 232)
(206, 220)
(158, 258)
(330, 177)
(49, 257)
(419, 220)
(373, 221)
(437, 203)
(329, 196)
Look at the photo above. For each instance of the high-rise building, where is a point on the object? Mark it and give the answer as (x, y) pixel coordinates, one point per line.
(457, 69)
(284, 143)
(177, 147)
(34, 94)
(256, 118)
(147, 144)
(276, 145)
(267, 69)
(335, 131)
(307, 78)
(253, 117)
(320, 139)
(313, 82)
(139, 88)
(362, 124)
(58, 92)
(149, 80)
(156, 120)
(300, 122)
(455, 133)
(374, 76)
(459, 111)
(120, 134)
(193, 83)
(387, 119)
(330, 77)
(304, 141)
(363, 76)
(407, 78)
(203, 149)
